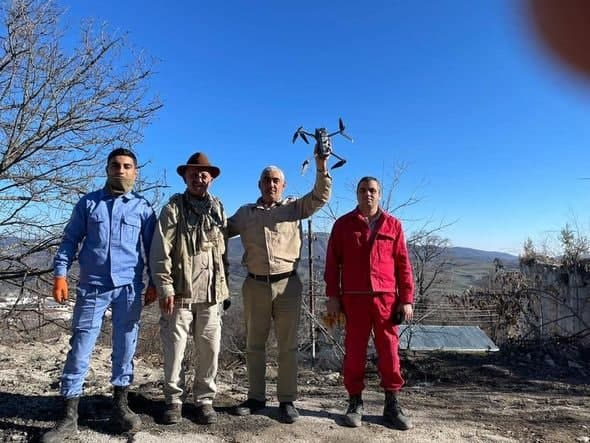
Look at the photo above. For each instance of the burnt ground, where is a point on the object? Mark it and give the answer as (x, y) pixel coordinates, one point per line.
(527, 394)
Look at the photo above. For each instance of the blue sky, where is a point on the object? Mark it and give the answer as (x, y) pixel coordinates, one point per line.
(493, 134)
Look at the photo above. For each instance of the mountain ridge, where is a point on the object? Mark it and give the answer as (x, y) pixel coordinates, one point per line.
(319, 244)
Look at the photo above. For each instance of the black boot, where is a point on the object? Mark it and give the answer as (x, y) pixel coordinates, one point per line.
(250, 406)
(66, 427)
(123, 418)
(393, 414)
(172, 414)
(354, 413)
(288, 412)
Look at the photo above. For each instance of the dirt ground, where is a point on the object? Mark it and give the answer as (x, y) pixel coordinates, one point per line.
(537, 395)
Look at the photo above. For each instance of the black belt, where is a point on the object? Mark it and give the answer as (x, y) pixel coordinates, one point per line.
(271, 278)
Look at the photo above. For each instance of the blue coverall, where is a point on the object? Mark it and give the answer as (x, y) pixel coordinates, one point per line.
(112, 231)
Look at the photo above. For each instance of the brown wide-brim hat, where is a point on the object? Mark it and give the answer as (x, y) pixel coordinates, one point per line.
(200, 161)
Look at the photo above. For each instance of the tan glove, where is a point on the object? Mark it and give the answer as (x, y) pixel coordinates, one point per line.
(333, 320)
(60, 289)
(150, 295)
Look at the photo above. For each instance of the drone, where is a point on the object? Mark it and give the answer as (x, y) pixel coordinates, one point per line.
(323, 145)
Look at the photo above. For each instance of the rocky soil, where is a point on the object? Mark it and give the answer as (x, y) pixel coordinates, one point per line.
(539, 395)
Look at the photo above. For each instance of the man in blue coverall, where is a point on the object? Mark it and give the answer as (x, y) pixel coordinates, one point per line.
(112, 224)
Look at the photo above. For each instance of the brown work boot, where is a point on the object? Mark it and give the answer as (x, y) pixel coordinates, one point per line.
(66, 427)
(354, 413)
(206, 415)
(393, 414)
(123, 418)
(172, 414)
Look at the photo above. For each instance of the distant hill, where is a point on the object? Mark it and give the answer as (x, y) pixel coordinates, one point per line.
(8, 241)
(470, 267)
(462, 253)
(319, 244)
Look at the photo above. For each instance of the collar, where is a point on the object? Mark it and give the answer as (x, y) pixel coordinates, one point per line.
(360, 215)
(105, 195)
(260, 203)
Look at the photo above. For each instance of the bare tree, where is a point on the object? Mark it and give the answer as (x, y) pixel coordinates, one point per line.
(431, 261)
(393, 178)
(428, 248)
(60, 114)
(390, 184)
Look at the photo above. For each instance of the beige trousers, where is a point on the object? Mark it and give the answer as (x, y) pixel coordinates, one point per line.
(264, 302)
(204, 323)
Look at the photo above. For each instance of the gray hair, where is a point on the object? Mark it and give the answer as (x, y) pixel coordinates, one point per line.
(367, 178)
(272, 168)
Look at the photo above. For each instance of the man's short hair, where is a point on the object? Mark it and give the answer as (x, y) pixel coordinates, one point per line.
(365, 179)
(272, 168)
(122, 151)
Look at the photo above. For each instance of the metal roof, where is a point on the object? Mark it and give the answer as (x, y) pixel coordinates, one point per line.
(444, 338)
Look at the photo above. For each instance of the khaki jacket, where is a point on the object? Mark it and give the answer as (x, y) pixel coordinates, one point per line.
(272, 236)
(170, 263)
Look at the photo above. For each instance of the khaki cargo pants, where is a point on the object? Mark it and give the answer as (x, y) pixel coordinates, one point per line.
(264, 302)
(203, 321)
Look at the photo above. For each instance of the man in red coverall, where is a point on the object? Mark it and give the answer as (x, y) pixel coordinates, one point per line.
(369, 277)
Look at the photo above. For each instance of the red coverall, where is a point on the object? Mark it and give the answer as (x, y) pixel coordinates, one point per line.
(371, 273)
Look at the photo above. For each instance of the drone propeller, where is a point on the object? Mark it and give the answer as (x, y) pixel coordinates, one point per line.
(301, 133)
(346, 136)
(340, 131)
(297, 133)
(339, 164)
(304, 166)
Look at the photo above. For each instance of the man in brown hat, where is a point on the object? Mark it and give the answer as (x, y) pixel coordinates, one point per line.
(270, 230)
(187, 259)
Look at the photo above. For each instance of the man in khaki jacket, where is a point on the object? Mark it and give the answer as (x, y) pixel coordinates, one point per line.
(187, 259)
(270, 231)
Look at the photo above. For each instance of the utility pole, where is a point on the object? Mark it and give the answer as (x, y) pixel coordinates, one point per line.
(311, 289)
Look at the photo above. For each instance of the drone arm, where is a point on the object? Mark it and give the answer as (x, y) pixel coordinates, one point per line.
(343, 134)
(337, 156)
